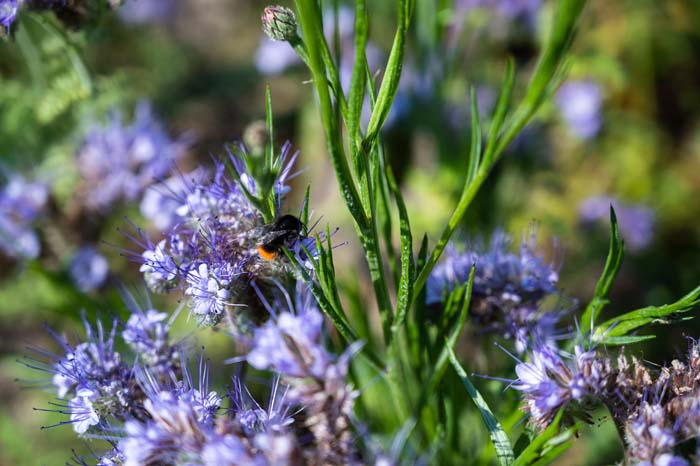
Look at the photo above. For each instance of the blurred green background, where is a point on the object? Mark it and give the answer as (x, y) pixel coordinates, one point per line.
(624, 128)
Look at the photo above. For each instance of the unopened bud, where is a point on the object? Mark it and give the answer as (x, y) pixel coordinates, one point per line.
(279, 23)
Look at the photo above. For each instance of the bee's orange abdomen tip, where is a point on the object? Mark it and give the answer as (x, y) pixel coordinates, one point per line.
(265, 254)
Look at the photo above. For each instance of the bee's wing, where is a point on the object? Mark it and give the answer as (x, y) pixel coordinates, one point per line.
(272, 236)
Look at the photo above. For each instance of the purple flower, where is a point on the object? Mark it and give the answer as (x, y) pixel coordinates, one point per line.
(651, 437)
(147, 11)
(209, 289)
(93, 376)
(147, 333)
(580, 103)
(228, 450)
(18, 241)
(161, 202)
(552, 380)
(8, 12)
(507, 289)
(502, 10)
(211, 250)
(218, 202)
(22, 199)
(636, 221)
(252, 417)
(88, 269)
(291, 345)
(159, 268)
(21, 203)
(119, 162)
(273, 57)
(83, 414)
(506, 8)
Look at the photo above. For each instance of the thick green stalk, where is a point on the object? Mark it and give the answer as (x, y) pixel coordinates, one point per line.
(311, 25)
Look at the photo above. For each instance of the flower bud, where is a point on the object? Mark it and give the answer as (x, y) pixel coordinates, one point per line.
(279, 23)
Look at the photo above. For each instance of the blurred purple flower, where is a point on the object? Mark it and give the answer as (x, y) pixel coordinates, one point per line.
(506, 8)
(88, 269)
(252, 417)
(161, 201)
(581, 103)
(291, 345)
(636, 221)
(23, 199)
(21, 203)
(651, 436)
(8, 12)
(146, 11)
(18, 241)
(119, 162)
(273, 57)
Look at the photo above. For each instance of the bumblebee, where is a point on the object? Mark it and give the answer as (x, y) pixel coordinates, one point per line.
(283, 233)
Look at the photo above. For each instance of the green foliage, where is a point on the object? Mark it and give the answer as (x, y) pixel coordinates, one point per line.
(605, 282)
(547, 445)
(499, 438)
(414, 347)
(59, 76)
(616, 331)
(407, 393)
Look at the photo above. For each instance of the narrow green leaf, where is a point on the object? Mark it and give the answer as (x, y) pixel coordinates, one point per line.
(475, 143)
(359, 75)
(540, 447)
(560, 38)
(305, 207)
(311, 25)
(629, 321)
(501, 110)
(605, 282)
(443, 358)
(270, 149)
(392, 75)
(499, 438)
(625, 340)
(405, 290)
(384, 212)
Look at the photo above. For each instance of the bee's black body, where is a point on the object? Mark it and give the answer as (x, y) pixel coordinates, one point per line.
(281, 234)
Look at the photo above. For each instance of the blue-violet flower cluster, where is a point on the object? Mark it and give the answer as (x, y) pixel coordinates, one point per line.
(507, 291)
(118, 162)
(210, 250)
